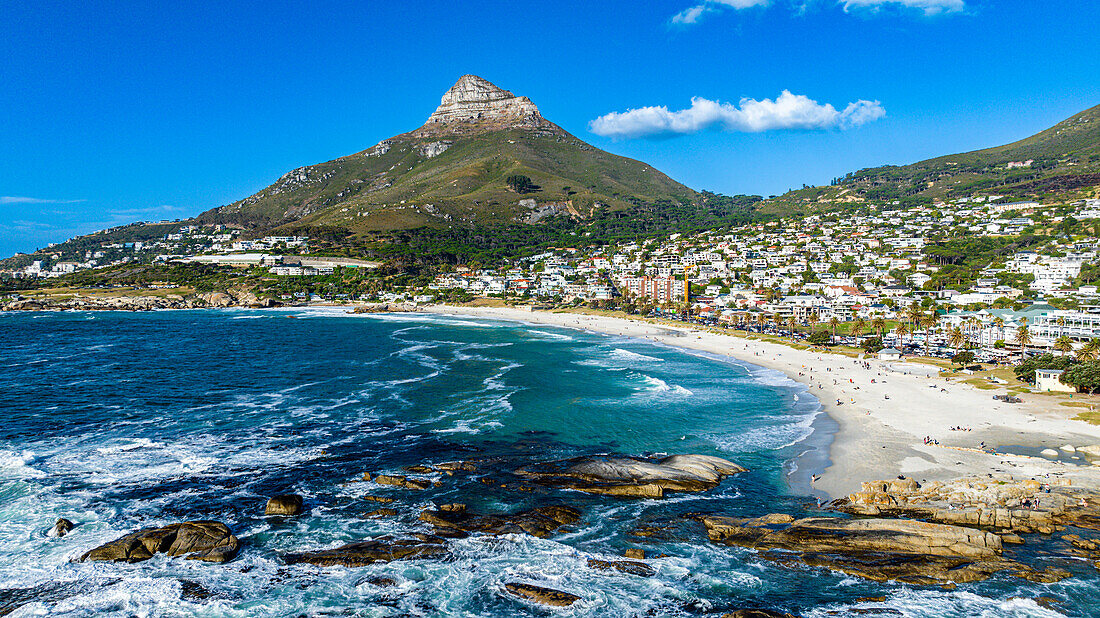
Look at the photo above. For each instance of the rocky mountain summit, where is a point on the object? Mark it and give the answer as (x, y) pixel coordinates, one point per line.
(475, 104)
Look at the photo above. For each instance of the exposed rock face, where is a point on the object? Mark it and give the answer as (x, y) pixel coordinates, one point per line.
(907, 551)
(61, 528)
(632, 476)
(209, 541)
(543, 596)
(433, 149)
(538, 522)
(999, 503)
(286, 504)
(640, 569)
(474, 103)
(382, 549)
(402, 481)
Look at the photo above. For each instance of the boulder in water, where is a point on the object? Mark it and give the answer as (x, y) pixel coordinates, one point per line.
(209, 541)
(285, 504)
(540, 595)
(382, 549)
(61, 528)
(538, 522)
(631, 567)
(633, 476)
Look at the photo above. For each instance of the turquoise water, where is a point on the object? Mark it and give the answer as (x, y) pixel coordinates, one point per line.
(120, 421)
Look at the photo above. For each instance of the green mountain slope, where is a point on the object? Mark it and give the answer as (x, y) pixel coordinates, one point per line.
(453, 172)
(1062, 160)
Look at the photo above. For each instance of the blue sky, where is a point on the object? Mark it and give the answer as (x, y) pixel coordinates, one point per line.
(114, 112)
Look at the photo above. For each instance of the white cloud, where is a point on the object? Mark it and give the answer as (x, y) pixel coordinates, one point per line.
(930, 7)
(787, 111)
(692, 14)
(15, 199)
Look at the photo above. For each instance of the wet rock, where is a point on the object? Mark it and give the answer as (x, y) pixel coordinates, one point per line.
(756, 614)
(543, 596)
(61, 528)
(381, 513)
(379, 499)
(631, 476)
(631, 567)
(635, 553)
(402, 481)
(538, 522)
(209, 541)
(998, 503)
(907, 551)
(194, 591)
(286, 504)
(382, 582)
(382, 549)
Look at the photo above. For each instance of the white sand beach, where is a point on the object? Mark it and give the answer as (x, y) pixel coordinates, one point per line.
(884, 414)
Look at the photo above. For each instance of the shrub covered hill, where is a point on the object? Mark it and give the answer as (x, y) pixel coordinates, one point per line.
(1062, 161)
(486, 169)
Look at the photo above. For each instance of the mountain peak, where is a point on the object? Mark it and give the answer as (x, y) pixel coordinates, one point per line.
(474, 103)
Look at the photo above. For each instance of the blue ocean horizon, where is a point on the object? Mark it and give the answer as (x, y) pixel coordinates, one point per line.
(120, 421)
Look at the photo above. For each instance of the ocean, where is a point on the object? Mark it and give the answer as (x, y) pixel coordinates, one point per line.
(119, 421)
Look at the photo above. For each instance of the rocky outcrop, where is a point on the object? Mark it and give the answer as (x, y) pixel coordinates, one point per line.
(209, 541)
(540, 595)
(631, 567)
(631, 476)
(382, 549)
(286, 504)
(900, 550)
(61, 528)
(402, 481)
(475, 104)
(454, 520)
(997, 503)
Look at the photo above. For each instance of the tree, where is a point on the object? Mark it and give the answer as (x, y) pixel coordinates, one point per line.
(1063, 344)
(1083, 376)
(1089, 351)
(1022, 337)
(791, 323)
(878, 325)
(964, 358)
(834, 322)
(858, 326)
(956, 339)
(901, 330)
(820, 337)
(928, 321)
(872, 345)
(520, 183)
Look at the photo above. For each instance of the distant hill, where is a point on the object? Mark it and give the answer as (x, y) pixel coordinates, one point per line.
(453, 171)
(1061, 160)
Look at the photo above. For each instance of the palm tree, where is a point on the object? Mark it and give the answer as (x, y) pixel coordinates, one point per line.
(812, 319)
(790, 324)
(834, 322)
(1023, 337)
(914, 315)
(878, 324)
(999, 322)
(928, 321)
(956, 338)
(901, 330)
(1090, 351)
(1063, 344)
(857, 327)
(761, 319)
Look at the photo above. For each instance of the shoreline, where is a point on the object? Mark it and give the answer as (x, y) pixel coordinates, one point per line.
(880, 425)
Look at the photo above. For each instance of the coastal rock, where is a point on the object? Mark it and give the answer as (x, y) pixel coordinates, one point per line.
(61, 528)
(209, 541)
(382, 549)
(540, 595)
(538, 522)
(286, 504)
(997, 502)
(631, 567)
(756, 613)
(402, 481)
(632, 476)
(902, 550)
